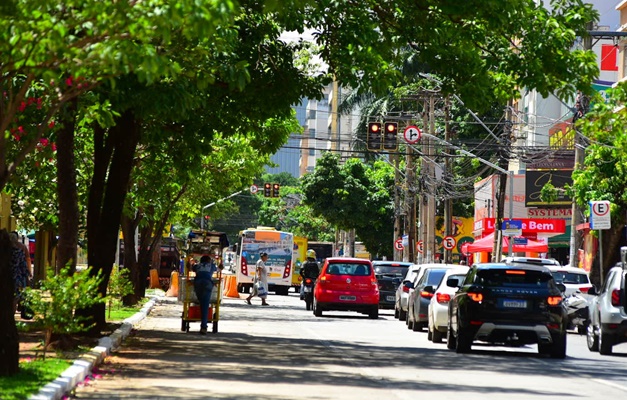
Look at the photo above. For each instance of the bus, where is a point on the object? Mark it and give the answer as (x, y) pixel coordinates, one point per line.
(279, 246)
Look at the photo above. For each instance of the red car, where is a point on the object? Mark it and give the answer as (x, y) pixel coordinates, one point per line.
(347, 284)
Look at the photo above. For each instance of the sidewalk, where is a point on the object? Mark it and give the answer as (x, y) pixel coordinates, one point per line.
(82, 367)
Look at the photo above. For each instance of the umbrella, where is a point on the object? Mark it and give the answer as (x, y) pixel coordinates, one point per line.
(487, 243)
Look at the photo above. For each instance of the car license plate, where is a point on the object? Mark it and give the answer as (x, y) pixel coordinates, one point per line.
(512, 303)
(390, 298)
(348, 298)
(307, 289)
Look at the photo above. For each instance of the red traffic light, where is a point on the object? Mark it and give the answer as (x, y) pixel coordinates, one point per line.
(275, 190)
(267, 190)
(373, 140)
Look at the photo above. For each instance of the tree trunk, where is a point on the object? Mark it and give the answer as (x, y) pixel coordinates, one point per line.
(129, 225)
(144, 257)
(67, 192)
(113, 160)
(9, 339)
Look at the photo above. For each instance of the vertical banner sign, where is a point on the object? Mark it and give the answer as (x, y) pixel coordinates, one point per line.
(600, 215)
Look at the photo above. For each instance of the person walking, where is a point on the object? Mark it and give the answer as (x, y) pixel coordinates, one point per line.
(261, 278)
(203, 286)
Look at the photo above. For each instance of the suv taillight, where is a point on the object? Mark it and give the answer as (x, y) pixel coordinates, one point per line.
(443, 298)
(616, 297)
(554, 300)
(426, 295)
(478, 297)
(405, 289)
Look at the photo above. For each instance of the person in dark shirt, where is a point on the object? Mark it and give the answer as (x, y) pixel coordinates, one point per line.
(310, 269)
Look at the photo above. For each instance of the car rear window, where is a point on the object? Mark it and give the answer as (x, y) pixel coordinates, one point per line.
(570, 278)
(518, 277)
(399, 270)
(349, 269)
(434, 277)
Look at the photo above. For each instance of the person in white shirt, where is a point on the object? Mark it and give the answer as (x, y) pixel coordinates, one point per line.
(261, 277)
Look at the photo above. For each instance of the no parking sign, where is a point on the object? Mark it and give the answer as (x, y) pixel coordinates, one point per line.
(600, 215)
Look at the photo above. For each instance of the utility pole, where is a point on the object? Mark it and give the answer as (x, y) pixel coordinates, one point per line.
(430, 239)
(424, 202)
(448, 204)
(398, 254)
(410, 200)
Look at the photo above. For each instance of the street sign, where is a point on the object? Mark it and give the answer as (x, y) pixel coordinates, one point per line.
(254, 189)
(512, 227)
(449, 242)
(419, 247)
(600, 215)
(398, 244)
(521, 241)
(412, 134)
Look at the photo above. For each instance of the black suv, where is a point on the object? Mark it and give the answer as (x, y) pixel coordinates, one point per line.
(389, 275)
(509, 304)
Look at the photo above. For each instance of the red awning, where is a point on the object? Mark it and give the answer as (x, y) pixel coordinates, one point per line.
(487, 243)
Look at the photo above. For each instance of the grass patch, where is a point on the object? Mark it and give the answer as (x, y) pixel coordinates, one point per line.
(33, 375)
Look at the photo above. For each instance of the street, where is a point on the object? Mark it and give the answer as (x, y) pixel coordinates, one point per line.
(284, 352)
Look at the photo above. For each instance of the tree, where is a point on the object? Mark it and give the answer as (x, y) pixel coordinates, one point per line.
(502, 45)
(603, 175)
(336, 191)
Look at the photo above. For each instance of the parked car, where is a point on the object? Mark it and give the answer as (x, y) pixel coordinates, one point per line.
(608, 310)
(389, 275)
(418, 302)
(573, 278)
(438, 306)
(509, 304)
(404, 290)
(347, 284)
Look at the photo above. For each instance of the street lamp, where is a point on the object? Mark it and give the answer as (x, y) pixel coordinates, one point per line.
(202, 212)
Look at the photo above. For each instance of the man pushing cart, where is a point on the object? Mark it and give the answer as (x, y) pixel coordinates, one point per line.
(200, 290)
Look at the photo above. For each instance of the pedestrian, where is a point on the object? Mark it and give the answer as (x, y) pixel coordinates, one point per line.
(203, 286)
(26, 251)
(21, 273)
(261, 278)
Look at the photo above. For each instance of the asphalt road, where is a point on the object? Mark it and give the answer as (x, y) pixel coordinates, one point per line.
(284, 352)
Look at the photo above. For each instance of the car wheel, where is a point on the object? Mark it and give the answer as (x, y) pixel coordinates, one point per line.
(396, 312)
(317, 311)
(429, 333)
(437, 336)
(374, 313)
(451, 342)
(591, 338)
(410, 322)
(558, 349)
(464, 340)
(417, 326)
(307, 304)
(402, 315)
(606, 342)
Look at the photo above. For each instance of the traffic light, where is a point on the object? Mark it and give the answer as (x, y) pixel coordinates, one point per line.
(373, 141)
(390, 136)
(267, 190)
(275, 189)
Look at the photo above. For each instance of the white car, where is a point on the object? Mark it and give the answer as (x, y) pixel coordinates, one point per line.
(608, 310)
(438, 307)
(403, 291)
(573, 278)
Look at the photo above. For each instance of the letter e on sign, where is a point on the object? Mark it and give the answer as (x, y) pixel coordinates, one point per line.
(449, 242)
(600, 215)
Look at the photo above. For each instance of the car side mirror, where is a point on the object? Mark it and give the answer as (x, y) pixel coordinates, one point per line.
(593, 291)
(452, 282)
(409, 284)
(561, 287)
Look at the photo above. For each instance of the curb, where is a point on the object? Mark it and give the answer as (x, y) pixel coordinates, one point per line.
(82, 367)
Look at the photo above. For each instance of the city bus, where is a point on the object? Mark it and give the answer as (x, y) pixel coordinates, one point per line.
(279, 245)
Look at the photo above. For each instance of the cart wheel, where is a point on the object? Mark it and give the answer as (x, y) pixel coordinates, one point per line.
(183, 325)
(187, 327)
(215, 327)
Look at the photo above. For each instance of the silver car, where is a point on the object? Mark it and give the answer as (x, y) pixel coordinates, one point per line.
(438, 306)
(403, 291)
(607, 309)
